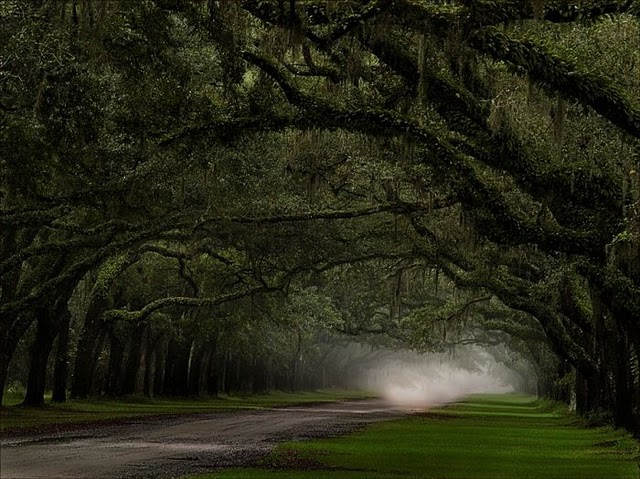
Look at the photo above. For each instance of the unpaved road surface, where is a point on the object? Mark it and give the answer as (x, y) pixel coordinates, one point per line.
(171, 447)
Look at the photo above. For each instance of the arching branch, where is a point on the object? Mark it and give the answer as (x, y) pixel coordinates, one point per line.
(495, 215)
(486, 13)
(550, 71)
(184, 302)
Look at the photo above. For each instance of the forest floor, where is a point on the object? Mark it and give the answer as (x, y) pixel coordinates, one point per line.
(491, 437)
(174, 445)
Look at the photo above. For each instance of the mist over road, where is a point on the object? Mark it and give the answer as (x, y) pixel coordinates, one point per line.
(170, 447)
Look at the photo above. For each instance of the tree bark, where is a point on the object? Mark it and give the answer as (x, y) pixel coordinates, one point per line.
(61, 368)
(89, 348)
(623, 384)
(114, 369)
(212, 370)
(5, 357)
(224, 363)
(40, 351)
(133, 361)
(8, 285)
(195, 368)
(177, 368)
(151, 364)
(160, 368)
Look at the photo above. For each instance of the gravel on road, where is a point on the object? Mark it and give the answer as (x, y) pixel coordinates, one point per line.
(176, 446)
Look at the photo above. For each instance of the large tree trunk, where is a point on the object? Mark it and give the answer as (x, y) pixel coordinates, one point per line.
(160, 368)
(294, 383)
(582, 402)
(231, 374)
(114, 369)
(97, 381)
(589, 393)
(143, 364)
(591, 388)
(623, 383)
(93, 332)
(199, 373)
(636, 381)
(195, 366)
(8, 285)
(89, 348)
(151, 364)
(137, 341)
(9, 340)
(260, 376)
(40, 351)
(5, 357)
(61, 367)
(234, 374)
(212, 370)
(177, 368)
(224, 365)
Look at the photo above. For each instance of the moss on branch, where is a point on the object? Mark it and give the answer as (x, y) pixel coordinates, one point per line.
(465, 113)
(182, 302)
(486, 13)
(550, 71)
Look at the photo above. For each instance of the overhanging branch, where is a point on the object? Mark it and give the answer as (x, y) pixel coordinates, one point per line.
(550, 71)
(184, 302)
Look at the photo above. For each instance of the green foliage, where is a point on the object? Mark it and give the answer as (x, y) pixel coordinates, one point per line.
(495, 143)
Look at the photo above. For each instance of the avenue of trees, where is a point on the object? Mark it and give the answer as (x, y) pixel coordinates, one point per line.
(213, 195)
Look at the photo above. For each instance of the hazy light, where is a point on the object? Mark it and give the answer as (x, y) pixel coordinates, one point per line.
(423, 381)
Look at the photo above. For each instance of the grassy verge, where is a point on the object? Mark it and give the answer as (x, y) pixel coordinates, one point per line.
(15, 418)
(483, 437)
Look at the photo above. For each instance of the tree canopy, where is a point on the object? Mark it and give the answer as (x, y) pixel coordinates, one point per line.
(196, 186)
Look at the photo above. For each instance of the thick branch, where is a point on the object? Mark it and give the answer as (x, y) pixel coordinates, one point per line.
(30, 218)
(463, 310)
(515, 329)
(91, 238)
(465, 113)
(351, 22)
(184, 302)
(550, 71)
(486, 13)
(317, 215)
(78, 269)
(230, 129)
(620, 293)
(515, 294)
(496, 217)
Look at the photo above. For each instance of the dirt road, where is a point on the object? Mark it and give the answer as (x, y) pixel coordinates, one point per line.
(171, 447)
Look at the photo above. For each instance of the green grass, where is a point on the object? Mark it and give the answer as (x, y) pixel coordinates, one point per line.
(493, 437)
(14, 417)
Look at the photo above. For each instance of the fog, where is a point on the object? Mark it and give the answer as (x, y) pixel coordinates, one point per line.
(415, 380)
